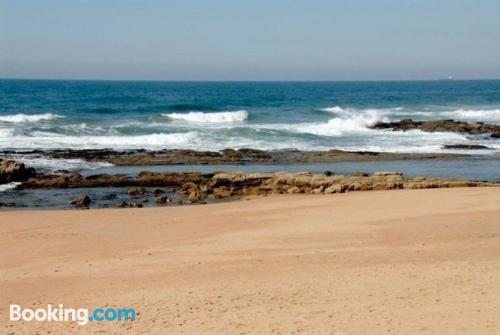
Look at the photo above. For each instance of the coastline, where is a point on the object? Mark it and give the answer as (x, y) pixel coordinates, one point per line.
(401, 261)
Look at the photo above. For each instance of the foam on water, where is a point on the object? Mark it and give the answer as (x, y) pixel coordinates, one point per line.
(44, 140)
(351, 122)
(219, 117)
(20, 118)
(9, 186)
(491, 115)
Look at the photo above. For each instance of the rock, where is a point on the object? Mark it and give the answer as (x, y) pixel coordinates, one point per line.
(11, 171)
(495, 135)
(293, 190)
(387, 173)
(440, 126)
(360, 174)
(335, 188)
(158, 191)
(191, 192)
(136, 204)
(466, 147)
(221, 192)
(122, 204)
(81, 202)
(162, 199)
(303, 181)
(136, 191)
(328, 173)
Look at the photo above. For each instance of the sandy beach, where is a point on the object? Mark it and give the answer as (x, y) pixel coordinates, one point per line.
(381, 262)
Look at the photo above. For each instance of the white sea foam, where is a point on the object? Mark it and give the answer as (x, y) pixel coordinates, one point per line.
(55, 164)
(492, 115)
(18, 118)
(219, 117)
(9, 186)
(46, 140)
(350, 123)
(350, 111)
(335, 109)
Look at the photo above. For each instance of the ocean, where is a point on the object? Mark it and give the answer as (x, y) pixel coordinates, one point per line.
(50, 114)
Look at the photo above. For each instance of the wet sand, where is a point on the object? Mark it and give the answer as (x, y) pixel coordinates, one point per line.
(380, 262)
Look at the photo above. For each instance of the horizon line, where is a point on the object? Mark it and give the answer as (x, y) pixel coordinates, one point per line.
(255, 80)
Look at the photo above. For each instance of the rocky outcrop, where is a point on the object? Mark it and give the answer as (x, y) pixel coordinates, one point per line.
(466, 147)
(11, 170)
(228, 156)
(196, 188)
(473, 128)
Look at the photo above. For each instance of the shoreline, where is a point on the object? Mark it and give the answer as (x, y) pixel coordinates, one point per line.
(294, 263)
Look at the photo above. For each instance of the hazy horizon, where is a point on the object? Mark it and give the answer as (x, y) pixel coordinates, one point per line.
(280, 40)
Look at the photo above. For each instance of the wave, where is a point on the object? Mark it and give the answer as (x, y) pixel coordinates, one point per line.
(9, 186)
(200, 117)
(335, 109)
(340, 110)
(492, 115)
(18, 118)
(351, 123)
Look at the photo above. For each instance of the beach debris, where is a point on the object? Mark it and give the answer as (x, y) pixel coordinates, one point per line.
(81, 202)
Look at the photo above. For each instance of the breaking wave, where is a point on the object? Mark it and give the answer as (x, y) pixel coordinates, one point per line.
(200, 117)
(18, 118)
(351, 122)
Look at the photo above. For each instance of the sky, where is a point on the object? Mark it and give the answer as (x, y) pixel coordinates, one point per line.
(250, 40)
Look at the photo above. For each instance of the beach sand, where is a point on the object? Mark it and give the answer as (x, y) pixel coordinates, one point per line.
(381, 262)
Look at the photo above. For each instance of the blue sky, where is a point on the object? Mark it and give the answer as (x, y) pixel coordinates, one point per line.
(250, 40)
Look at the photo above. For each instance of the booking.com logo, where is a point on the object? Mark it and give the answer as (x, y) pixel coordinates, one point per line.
(81, 315)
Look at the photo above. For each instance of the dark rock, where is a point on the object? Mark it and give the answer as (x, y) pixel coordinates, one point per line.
(440, 126)
(11, 170)
(360, 174)
(328, 173)
(81, 202)
(466, 146)
(495, 135)
(136, 204)
(158, 191)
(136, 191)
(162, 199)
(122, 204)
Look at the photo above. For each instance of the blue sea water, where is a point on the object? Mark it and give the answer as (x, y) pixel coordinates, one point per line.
(46, 114)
